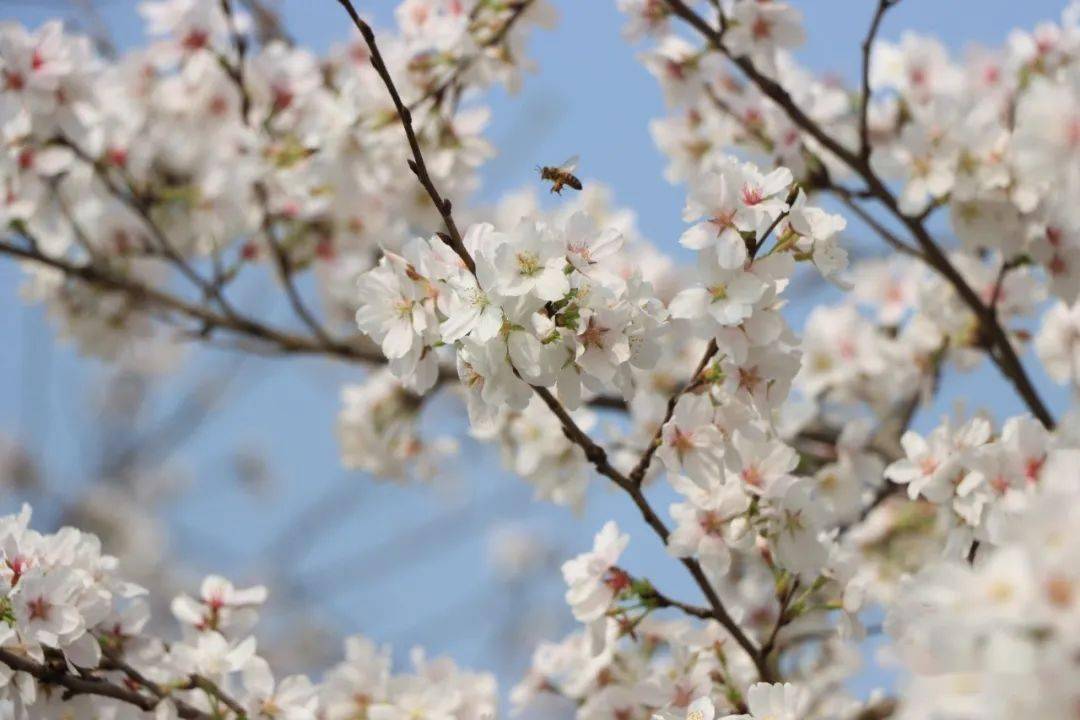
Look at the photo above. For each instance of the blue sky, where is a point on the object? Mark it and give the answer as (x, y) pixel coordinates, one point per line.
(590, 96)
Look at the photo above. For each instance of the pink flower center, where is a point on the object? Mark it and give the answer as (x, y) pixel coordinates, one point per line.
(617, 580)
(195, 39)
(683, 442)
(1072, 133)
(1057, 265)
(723, 221)
(116, 156)
(712, 523)
(683, 696)
(752, 195)
(761, 29)
(749, 378)
(18, 566)
(593, 335)
(14, 81)
(283, 98)
(675, 70)
(752, 476)
(26, 159)
(39, 609)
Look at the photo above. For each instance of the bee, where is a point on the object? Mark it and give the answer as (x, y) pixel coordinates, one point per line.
(561, 175)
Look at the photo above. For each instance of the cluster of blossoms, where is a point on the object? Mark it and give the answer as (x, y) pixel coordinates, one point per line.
(540, 308)
(546, 308)
(630, 664)
(968, 633)
(992, 139)
(976, 478)
(379, 430)
(65, 607)
(787, 456)
(673, 665)
(201, 149)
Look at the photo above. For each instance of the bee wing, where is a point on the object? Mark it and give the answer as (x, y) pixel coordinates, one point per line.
(570, 165)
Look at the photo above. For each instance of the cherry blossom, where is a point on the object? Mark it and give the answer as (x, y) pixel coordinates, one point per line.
(784, 426)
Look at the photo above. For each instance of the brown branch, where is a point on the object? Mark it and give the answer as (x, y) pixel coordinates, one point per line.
(657, 599)
(268, 25)
(283, 266)
(416, 164)
(847, 197)
(236, 72)
(637, 475)
(194, 681)
(282, 263)
(782, 617)
(280, 340)
(864, 107)
(58, 676)
(212, 689)
(892, 450)
(879, 710)
(140, 205)
(357, 349)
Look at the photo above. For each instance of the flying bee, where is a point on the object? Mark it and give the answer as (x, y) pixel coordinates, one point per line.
(561, 175)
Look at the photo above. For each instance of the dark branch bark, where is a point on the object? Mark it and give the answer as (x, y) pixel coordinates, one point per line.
(864, 106)
(59, 677)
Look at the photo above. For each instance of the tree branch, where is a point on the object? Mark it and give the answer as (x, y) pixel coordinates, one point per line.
(596, 454)
(864, 107)
(1005, 357)
(58, 676)
(417, 164)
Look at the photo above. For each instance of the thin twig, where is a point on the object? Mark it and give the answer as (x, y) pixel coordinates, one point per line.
(439, 91)
(637, 475)
(864, 107)
(416, 164)
(660, 600)
(236, 72)
(283, 266)
(782, 618)
(847, 197)
(134, 200)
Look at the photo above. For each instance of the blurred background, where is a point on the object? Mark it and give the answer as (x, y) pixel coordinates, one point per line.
(220, 462)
